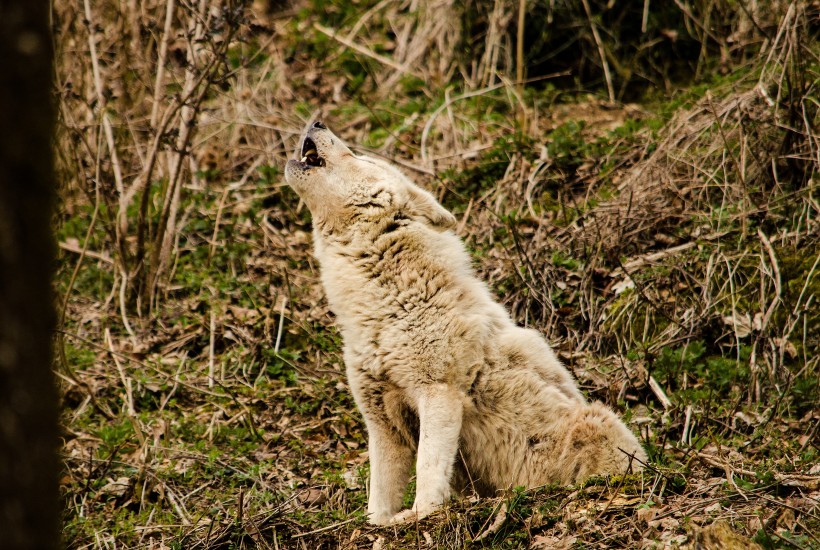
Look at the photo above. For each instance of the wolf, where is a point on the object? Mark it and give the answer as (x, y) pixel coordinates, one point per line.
(437, 367)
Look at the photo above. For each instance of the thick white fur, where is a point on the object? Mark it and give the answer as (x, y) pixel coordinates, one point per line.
(437, 367)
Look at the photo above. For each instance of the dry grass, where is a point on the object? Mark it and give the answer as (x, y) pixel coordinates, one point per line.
(674, 264)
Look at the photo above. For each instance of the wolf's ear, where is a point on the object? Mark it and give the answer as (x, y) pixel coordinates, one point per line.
(421, 205)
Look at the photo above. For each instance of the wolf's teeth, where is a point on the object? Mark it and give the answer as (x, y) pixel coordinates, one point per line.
(304, 158)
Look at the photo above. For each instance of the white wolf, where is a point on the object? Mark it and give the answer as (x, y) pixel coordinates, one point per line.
(437, 367)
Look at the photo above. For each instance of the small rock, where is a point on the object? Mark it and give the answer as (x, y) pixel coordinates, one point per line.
(352, 479)
(664, 524)
(645, 515)
(713, 508)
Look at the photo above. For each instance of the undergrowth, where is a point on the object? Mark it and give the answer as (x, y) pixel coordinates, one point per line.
(654, 216)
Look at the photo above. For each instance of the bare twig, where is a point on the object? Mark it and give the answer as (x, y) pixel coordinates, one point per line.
(159, 81)
(601, 52)
(211, 344)
(101, 104)
(281, 324)
(83, 252)
(365, 51)
(126, 380)
(659, 393)
(496, 525)
(519, 43)
(326, 528)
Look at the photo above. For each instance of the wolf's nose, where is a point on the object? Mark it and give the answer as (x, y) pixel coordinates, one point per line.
(319, 124)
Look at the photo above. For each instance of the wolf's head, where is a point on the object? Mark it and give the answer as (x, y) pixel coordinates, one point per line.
(342, 189)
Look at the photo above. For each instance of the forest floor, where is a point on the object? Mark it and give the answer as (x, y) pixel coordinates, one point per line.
(668, 248)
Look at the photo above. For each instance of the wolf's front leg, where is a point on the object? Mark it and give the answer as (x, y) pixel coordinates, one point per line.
(440, 412)
(390, 461)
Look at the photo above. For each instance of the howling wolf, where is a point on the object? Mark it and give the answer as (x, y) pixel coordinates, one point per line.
(437, 367)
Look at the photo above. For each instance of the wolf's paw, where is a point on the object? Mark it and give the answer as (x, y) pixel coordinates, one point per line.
(412, 514)
(380, 519)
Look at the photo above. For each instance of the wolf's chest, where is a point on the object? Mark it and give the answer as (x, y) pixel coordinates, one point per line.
(384, 399)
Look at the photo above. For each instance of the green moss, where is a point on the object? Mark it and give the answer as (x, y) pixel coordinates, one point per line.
(711, 376)
(485, 173)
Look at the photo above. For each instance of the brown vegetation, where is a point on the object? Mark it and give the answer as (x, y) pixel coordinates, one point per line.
(669, 247)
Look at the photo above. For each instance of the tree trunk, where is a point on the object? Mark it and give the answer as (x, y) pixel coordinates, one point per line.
(29, 499)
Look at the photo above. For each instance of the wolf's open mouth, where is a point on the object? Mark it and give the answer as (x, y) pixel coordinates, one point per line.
(310, 156)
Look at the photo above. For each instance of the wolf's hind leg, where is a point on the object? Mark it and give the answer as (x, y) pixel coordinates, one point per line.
(598, 443)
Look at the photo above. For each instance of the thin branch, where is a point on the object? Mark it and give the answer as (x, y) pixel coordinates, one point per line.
(365, 51)
(601, 52)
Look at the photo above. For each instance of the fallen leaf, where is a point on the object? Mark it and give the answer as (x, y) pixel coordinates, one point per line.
(116, 488)
(741, 322)
(546, 542)
(312, 497)
(664, 524)
(623, 285)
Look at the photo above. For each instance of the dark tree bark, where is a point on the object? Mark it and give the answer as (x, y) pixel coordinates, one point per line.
(29, 498)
